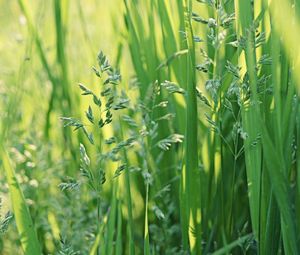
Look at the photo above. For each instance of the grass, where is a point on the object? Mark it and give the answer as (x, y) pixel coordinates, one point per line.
(28, 237)
(181, 138)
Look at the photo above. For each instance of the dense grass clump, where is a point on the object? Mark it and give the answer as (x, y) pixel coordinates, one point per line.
(181, 136)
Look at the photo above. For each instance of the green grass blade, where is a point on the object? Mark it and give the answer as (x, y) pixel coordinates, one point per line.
(190, 173)
(276, 169)
(251, 113)
(128, 200)
(146, 232)
(111, 225)
(27, 234)
(119, 230)
(226, 249)
(95, 247)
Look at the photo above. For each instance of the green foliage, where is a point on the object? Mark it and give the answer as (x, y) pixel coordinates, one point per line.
(182, 136)
(5, 221)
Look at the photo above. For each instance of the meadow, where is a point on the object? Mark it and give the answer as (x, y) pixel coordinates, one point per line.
(149, 127)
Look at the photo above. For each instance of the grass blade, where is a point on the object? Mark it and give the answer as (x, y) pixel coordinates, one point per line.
(28, 236)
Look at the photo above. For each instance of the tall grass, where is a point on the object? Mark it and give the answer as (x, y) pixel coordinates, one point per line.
(187, 129)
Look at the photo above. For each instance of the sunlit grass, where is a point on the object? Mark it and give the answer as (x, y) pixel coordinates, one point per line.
(181, 138)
